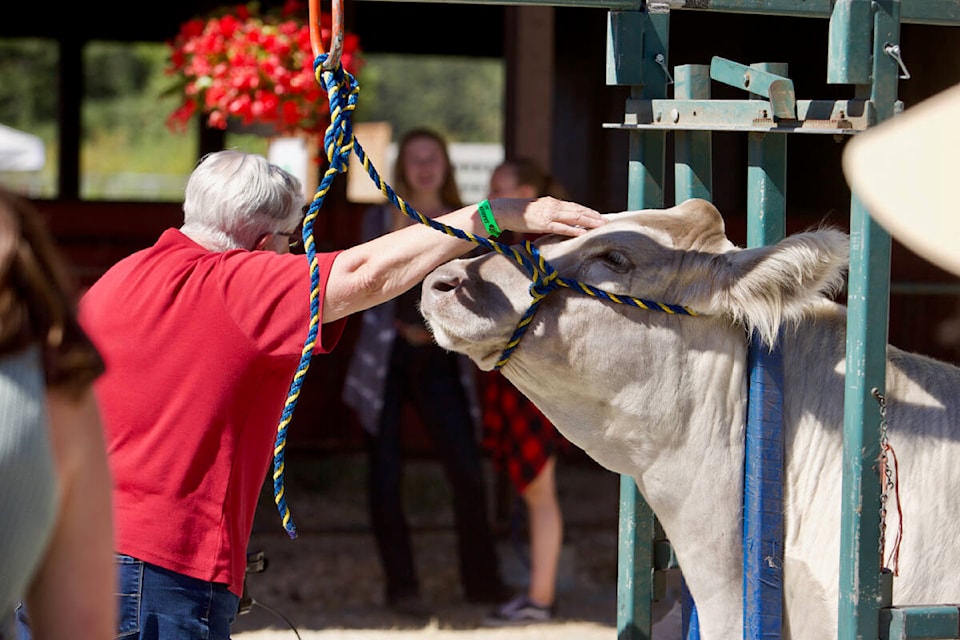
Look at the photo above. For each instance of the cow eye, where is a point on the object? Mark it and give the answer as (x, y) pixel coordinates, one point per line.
(617, 261)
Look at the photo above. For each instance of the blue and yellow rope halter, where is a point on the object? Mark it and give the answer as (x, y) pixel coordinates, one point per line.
(342, 90)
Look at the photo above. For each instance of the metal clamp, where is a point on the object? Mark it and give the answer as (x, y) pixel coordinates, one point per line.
(661, 60)
(893, 50)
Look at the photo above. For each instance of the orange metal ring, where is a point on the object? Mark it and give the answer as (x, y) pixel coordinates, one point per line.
(336, 34)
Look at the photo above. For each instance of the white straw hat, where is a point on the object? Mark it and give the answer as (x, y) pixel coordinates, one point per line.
(906, 171)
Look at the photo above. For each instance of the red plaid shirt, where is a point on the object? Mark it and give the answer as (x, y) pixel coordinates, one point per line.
(518, 437)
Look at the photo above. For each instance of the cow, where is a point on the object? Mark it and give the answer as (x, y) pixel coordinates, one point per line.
(661, 396)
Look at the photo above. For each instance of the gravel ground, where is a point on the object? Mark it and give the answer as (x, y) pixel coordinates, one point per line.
(327, 584)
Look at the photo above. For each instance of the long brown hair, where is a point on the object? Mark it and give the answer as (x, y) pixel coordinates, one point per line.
(38, 299)
(449, 192)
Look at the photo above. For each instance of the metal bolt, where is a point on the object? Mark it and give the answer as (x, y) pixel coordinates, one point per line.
(675, 116)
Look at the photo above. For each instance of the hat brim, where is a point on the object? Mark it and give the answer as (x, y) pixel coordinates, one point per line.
(905, 170)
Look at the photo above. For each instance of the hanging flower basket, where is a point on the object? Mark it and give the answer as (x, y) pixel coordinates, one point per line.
(240, 65)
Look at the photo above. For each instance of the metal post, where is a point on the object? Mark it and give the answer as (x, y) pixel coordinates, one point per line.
(646, 172)
(763, 443)
(860, 582)
(647, 160)
(634, 564)
(693, 178)
(693, 170)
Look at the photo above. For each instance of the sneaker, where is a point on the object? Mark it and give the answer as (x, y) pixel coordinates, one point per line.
(520, 610)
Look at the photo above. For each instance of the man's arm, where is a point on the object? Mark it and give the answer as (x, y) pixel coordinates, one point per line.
(376, 271)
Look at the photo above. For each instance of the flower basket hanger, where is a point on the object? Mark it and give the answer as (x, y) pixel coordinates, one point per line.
(336, 33)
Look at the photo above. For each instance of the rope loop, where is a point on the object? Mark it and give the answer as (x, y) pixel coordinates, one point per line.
(342, 90)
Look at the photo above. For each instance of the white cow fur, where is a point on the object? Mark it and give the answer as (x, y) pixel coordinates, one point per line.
(662, 398)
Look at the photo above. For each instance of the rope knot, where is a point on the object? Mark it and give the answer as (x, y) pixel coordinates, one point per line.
(342, 91)
(545, 277)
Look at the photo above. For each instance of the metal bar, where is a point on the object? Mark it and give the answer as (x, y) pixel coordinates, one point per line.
(860, 515)
(860, 580)
(693, 178)
(932, 12)
(920, 621)
(646, 176)
(624, 48)
(837, 117)
(634, 587)
(693, 169)
(778, 89)
(850, 43)
(646, 171)
(763, 494)
(763, 443)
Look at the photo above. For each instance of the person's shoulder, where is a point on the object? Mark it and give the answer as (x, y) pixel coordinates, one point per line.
(259, 269)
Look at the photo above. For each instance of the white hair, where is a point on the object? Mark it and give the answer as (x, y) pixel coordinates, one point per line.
(233, 198)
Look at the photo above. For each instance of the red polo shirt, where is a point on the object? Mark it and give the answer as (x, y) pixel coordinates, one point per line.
(200, 349)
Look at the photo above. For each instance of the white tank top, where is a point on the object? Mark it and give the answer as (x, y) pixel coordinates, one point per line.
(28, 487)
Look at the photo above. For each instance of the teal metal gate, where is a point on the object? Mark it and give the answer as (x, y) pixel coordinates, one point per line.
(863, 52)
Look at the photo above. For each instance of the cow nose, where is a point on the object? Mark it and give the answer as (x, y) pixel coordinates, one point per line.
(442, 280)
(436, 286)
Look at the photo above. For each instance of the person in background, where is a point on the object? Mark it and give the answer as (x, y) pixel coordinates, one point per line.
(56, 535)
(396, 361)
(522, 443)
(202, 334)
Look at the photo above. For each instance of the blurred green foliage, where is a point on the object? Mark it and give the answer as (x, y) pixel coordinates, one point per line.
(462, 98)
(126, 143)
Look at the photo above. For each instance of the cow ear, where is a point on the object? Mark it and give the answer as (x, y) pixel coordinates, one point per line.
(767, 286)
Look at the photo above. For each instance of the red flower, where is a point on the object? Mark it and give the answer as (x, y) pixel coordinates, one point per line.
(239, 63)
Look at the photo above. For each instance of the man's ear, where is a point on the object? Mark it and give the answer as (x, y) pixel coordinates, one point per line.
(261, 242)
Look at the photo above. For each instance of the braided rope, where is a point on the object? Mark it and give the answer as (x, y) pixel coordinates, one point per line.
(546, 279)
(339, 142)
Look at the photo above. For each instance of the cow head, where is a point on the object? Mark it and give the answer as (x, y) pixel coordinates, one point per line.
(676, 256)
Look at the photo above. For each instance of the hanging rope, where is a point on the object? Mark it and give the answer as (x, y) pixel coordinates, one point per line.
(338, 143)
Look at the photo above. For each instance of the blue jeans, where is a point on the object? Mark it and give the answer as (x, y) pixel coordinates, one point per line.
(158, 604)
(155, 603)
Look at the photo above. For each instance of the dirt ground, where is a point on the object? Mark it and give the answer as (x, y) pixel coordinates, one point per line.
(327, 583)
